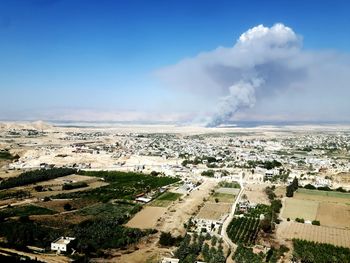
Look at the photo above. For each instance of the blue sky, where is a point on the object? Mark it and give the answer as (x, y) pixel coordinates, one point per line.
(68, 55)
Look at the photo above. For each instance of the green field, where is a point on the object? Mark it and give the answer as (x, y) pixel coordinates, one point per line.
(25, 211)
(243, 230)
(221, 197)
(108, 210)
(165, 199)
(323, 193)
(5, 155)
(122, 185)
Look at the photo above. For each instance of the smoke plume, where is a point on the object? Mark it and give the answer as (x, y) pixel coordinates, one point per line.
(263, 64)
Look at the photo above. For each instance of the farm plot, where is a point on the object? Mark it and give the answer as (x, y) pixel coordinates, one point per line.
(243, 230)
(334, 215)
(295, 208)
(226, 190)
(165, 199)
(214, 211)
(321, 234)
(222, 198)
(333, 208)
(147, 217)
(323, 196)
(25, 211)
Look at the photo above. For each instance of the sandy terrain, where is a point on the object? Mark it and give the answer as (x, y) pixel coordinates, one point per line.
(329, 210)
(214, 211)
(255, 193)
(335, 236)
(50, 258)
(179, 213)
(147, 217)
(334, 215)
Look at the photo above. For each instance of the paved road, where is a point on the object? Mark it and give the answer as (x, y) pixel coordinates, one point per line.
(224, 235)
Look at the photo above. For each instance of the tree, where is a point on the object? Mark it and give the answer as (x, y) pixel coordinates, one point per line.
(289, 191)
(316, 223)
(67, 207)
(295, 184)
(216, 200)
(214, 240)
(39, 188)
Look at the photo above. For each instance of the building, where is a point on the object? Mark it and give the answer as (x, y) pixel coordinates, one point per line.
(170, 260)
(62, 244)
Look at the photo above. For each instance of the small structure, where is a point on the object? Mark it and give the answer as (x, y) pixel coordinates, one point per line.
(143, 200)
(170, 260)
(62, 244)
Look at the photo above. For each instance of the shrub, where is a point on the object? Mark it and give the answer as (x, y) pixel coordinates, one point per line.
(166, 239)
(299, 220)
(316, 223)
(67, 207)
(74, 185)
(310, 186)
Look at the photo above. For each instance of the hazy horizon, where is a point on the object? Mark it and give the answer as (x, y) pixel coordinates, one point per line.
(177, 62)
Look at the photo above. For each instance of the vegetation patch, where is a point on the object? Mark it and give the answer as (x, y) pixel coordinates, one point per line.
(74, 185)
(165, 199)
(308, 251)
(324, 193)
(25, 211)
(122, 185)
(107, 210)
(14, 194)
(229, 184)
(221, 197)
(243, 230)
(6, 155)
(36, 176)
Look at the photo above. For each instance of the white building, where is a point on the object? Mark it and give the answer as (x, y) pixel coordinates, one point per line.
(62, 244)
(170, 260)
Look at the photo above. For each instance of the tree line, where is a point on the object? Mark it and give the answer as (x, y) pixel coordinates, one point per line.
(36, 176)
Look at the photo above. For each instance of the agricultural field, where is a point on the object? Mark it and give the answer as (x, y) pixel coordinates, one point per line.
(321, 234)
(222, 198)
(243, 230)
(214, 211)
(146, 218)
(256, 193)
(27, 210)
(306, 251)
(96, 216)
(330, 208)
(165, 199)
(295, 208)
(121, 185)
(225, 190)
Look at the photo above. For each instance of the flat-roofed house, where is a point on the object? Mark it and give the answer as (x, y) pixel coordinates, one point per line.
(62, 244)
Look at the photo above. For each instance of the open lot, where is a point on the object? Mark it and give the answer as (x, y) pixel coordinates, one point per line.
(300, 208)
(214, 211)
(255, 193)
(330, 208)
(322, 234)
(334, 215)
(225, 190)
(222, 198)
(147, 217)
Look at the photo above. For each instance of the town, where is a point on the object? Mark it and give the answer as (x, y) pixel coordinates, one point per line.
(181, 194)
